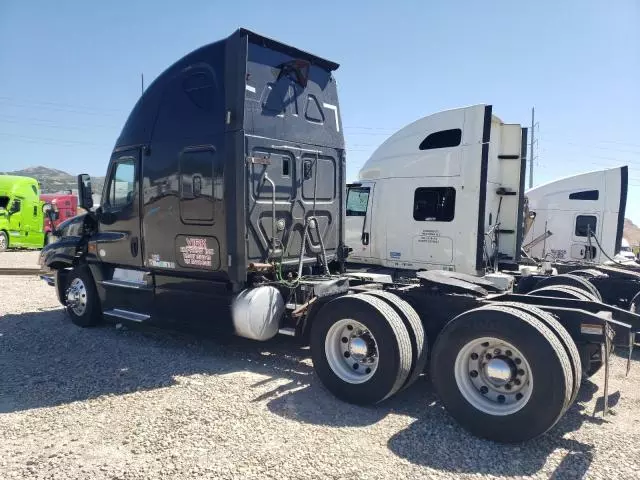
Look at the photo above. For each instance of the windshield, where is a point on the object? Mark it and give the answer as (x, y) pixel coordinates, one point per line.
(4, 201)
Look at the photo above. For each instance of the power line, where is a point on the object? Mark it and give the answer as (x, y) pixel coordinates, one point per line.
(593, 146)
(50, 141)
(60, 109)
(613, 142)
(14, 119)
(4, 98)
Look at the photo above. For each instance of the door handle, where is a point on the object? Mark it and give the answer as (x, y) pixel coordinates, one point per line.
(365, 238)
(134, 246)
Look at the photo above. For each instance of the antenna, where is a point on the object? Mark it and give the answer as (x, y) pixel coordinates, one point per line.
(141, 84)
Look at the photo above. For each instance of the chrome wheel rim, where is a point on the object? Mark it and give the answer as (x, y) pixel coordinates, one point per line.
(351, 351)
(77, 297)
(493, 376)
(3, 242)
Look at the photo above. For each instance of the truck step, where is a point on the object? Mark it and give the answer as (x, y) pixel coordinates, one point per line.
(127, 315)
(125, 284)
(291, 332)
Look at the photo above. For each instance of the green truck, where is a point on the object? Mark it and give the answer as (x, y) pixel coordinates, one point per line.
(21, 213)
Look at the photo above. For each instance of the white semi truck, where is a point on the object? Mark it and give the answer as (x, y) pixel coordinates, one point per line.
(577, 218)
(442, 193)
(435, 195)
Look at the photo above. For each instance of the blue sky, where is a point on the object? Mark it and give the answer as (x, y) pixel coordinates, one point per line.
(71, 70)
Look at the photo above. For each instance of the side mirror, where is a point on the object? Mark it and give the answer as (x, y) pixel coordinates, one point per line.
(84, 191)
(51, 213)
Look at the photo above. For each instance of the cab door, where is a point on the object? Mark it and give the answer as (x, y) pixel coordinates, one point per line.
(118, 242)
(16, 223)
(34, 222)
(359, 221)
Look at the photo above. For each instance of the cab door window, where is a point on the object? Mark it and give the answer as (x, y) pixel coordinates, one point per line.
(121, 184)
(585, 225)
(357, 201)
(16, 206)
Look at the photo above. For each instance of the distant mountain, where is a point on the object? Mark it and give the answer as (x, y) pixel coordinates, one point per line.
(631, 232)
(52, 180)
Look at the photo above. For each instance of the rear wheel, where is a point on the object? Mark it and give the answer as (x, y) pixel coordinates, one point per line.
(501, 373)
(562, 334)
(4, 241)
(361, 349)
(563, 291)
(588, 273)
(568, 279)
(81, 298)
(413, 323)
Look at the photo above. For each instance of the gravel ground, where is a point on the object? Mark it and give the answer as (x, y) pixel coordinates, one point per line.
(19, 259)
(109, 403)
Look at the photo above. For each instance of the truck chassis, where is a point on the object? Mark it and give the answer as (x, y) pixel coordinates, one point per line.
(506, 366)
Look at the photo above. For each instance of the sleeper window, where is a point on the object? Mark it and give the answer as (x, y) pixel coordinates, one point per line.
(585, 195)
(442, 139)
(434, 204)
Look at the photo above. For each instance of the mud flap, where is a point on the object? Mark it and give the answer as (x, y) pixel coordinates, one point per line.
(608, 337)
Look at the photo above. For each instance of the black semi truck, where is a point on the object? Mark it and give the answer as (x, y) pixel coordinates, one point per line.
(224, 209)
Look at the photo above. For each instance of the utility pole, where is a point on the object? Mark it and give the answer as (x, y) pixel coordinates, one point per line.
(141, 84)
(531, 150)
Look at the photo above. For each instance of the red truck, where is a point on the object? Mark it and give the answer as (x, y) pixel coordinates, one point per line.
(66, 204)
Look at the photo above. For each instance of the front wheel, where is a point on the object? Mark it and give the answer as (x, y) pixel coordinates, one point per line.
(4, 241)
(81, 298)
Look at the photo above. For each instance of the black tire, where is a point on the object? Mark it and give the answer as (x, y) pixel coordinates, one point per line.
(550, 370)
(4, 241)
(569, 345)
(568, 279)
(583, 293)
(562, 291)
(392, 341)
(588, 273)
(634, 305)
(413, 323)
(91, 315)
